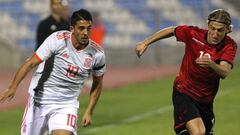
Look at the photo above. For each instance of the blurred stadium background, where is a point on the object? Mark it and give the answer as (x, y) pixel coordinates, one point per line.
(126, 21)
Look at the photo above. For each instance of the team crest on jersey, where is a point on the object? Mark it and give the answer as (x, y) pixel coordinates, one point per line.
(88, 62)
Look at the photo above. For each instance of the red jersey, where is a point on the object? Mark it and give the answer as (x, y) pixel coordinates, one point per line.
(201, 83)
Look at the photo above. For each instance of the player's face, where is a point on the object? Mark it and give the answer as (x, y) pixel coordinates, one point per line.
(81, 31)
(216, 32)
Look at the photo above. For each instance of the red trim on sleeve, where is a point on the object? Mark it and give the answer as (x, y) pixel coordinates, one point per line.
(39, 59)
(180, 125)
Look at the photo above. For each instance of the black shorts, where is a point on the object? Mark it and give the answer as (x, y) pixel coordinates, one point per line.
(186, 109)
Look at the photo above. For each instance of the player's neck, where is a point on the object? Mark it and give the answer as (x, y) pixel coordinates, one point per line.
(78, 46)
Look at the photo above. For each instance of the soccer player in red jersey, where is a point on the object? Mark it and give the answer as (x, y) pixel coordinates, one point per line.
(209, 57)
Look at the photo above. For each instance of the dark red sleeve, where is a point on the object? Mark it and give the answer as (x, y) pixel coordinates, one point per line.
(182, 33)
(229, 53)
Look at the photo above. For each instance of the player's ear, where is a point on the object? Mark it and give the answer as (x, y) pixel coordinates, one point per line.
(71, 29)
(207, 22)
(229, 28)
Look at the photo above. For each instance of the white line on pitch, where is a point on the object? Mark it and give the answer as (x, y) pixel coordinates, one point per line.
(129, 120)
(145, 115)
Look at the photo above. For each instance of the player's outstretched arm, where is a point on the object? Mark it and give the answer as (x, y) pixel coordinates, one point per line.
(19, 76)
(94, 96)
(164, 33)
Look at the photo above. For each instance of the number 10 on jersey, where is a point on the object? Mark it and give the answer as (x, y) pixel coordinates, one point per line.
(204, 54)
(71, 120)
(72, 71)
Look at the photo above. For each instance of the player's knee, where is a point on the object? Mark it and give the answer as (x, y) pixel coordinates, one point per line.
(199, 131)
(61, 132)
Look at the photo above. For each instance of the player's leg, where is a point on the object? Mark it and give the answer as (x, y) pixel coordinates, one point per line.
(186, 115)
(61, 132)
(208, 117)
(196, 126)
(63, 121)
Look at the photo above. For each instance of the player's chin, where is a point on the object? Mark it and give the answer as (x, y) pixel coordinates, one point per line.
(84, 41)
(215, 42)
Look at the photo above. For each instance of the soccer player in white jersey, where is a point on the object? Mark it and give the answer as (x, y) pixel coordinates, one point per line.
(65, 59)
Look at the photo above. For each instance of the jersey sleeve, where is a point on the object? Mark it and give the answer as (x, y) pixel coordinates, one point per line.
(229, 53)
(47, 48)
(99, 66)
(182, 32)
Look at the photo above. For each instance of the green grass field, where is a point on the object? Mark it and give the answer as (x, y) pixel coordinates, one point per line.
(144, 109)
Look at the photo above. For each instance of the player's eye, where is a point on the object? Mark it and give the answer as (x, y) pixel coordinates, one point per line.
(81, 28)
(89, 28)
(212, 28)
(220, 30)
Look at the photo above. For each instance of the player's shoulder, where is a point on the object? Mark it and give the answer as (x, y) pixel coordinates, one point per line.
(198, 32)
(96, 47)
(63, 35)
(191, 29)
(230, 41)
(196, 29)
(188, 27)
(58, 38)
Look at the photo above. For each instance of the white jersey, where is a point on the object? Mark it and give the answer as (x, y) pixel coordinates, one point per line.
(59, 78)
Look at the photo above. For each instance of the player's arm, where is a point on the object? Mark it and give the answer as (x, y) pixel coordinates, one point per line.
(94, 96)
(221, 69)
(19, 76)
(164, 33)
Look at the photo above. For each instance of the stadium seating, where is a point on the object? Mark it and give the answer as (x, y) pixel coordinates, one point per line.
(127, 21)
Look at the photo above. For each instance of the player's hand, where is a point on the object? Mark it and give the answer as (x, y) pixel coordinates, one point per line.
(204, 61)
(86, 120)
(7, 94)
(140, 49)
